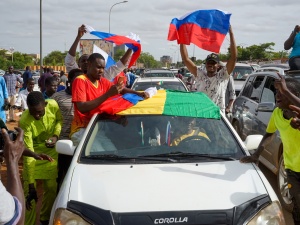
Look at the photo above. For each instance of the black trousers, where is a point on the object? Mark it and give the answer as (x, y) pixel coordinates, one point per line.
(64, 162)
(294, 63)
(293, 179)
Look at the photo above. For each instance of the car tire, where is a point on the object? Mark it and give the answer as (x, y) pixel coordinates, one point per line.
(282, 186)
(235, 125)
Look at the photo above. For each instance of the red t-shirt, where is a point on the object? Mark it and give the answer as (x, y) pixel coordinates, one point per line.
(84, 90)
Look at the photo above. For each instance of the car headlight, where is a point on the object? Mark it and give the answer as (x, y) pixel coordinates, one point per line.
(271, 214)
(65, 217)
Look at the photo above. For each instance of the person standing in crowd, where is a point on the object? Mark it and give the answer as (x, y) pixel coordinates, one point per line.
(3, 99)
(293, 42)
(130, 78)
(109, 73)
(41, 81)
(288, 92)
(21, 102)
(26, 75)
(63, 77)
(89, 91)
(64, 101)
(12, 207)
(42, 125)
(212, 82)
(50, 86)
(11, 80)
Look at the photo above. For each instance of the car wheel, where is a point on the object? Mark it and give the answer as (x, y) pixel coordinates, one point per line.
(284, 194)
(235, 125)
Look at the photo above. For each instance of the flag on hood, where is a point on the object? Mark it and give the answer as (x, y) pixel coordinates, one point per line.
(204, 28)
(132, 41)
(176, 103)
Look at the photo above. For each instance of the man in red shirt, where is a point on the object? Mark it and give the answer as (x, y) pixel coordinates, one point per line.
(89, 91)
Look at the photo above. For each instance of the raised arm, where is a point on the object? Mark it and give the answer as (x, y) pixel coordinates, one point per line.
(12, 153)
(81, 31)
(187, 61)
(289, 42)
(233, 53)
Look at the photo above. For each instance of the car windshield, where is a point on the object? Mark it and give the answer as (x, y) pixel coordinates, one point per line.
(165, 74)
(160, 85)
(159, 137)
(241, 72)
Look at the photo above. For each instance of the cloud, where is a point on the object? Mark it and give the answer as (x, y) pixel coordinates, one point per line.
(253, 22)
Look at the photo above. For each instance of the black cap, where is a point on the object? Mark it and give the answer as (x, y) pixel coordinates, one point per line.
(213, 57)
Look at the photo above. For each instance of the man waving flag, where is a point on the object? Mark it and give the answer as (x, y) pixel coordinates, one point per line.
(132, 41)
(204, 28)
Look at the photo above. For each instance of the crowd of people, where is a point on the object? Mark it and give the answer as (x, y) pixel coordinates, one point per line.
(50, 114)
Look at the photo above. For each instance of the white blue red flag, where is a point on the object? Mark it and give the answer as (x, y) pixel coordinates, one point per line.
(204, 28)
(131, 41)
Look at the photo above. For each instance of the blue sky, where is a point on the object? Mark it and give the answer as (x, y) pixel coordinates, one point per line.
(253, 22)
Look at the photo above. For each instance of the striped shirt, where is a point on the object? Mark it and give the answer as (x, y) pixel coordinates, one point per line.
(65, 104)
(11, 83)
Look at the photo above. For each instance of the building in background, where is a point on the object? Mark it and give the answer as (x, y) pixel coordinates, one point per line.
(166, 60)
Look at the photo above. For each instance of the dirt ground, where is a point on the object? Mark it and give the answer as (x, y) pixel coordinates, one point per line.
(10, 126)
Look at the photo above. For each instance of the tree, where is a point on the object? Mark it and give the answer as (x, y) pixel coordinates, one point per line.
(148, 60)
(55, 58)
(119, 55)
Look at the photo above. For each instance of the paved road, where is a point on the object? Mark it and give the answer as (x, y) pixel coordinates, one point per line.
(272, 179)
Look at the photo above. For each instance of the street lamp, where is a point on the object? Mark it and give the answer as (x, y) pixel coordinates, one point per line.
(12, 49)
(110, 12)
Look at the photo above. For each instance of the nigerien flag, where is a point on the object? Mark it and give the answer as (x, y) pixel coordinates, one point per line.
(176, 103)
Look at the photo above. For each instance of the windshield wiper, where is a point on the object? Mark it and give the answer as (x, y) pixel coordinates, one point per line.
(119, 157)
(188, 154)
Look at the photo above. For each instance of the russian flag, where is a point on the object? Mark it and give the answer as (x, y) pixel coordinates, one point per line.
(132, 41)
(204, 28)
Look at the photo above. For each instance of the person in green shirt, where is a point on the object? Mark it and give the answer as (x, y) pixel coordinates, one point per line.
(282, 119)
(42, 124)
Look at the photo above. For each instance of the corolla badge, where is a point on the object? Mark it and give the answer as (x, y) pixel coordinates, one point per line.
(171, 220)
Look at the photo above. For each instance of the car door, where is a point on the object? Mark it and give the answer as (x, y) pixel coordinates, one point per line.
(252, 93)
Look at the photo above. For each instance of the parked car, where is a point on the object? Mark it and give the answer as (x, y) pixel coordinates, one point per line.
(160, 163)
(255, 66)
(271, 69)
(284, 66)
(240, 73)
(139, 71)
(170, 83)
(251, 111)
(158, 73)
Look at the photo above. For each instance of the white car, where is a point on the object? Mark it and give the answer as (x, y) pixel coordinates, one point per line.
(170, 159)
(272, 69)
(161, 83)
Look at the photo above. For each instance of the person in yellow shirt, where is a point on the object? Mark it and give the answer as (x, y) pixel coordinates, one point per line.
(186, 128)
(288, 92)
(42, 125)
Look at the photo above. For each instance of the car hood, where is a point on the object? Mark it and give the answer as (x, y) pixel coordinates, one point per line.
(165, 187)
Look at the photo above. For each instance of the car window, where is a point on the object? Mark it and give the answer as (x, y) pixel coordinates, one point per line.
(141, 86)
(133, 136)
(159, 74)
(241, 72)
(269, 91)
(253, 89)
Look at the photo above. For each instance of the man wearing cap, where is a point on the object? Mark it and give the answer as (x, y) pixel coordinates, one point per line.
(212, 82)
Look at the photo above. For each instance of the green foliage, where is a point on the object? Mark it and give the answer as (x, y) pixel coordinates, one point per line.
(119, 54)
(55, 58)
(149, 61)
(20, 60)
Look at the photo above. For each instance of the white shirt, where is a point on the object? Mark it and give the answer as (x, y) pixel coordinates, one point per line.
(214, 87)
(22, 99)
(109, 73)
(7, 206)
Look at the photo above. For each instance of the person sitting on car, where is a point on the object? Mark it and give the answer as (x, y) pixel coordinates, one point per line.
(281, 120)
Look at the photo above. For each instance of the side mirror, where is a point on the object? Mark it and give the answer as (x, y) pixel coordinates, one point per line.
(65, 147)
(252, 141)
(266, 107)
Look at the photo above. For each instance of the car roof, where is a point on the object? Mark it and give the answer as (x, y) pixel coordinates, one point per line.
(156, 79)
(243, 64)
(271, 68)
(281, 65)
(263, 73)
(158, 71)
